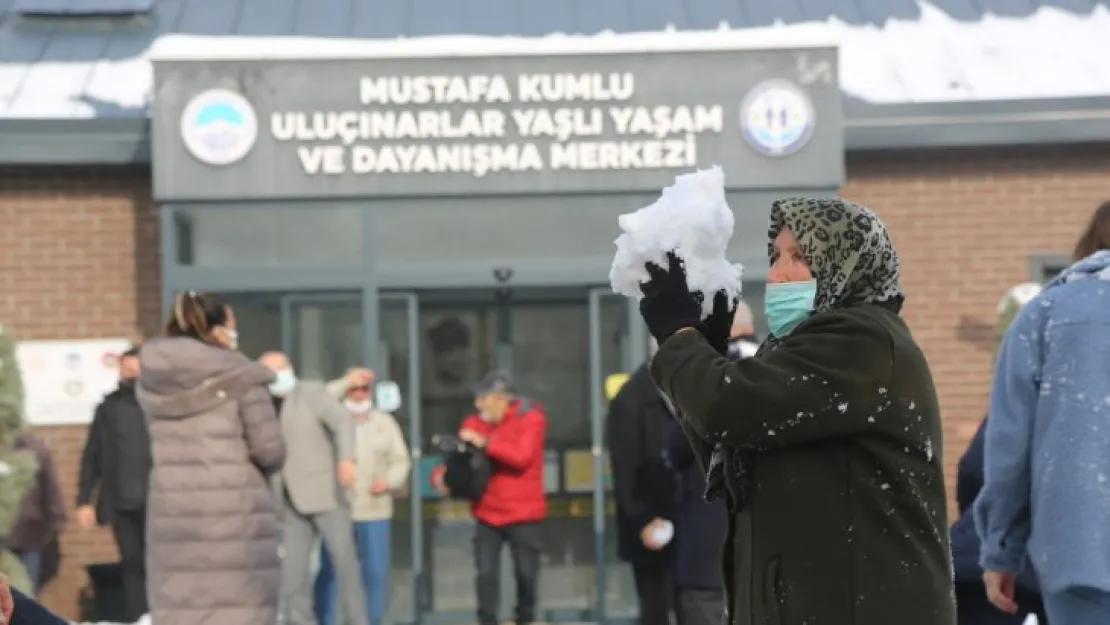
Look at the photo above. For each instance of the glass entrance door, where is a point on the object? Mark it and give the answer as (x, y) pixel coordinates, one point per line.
(610, 345)
(561, 346)
(322, 333)
(399, 361)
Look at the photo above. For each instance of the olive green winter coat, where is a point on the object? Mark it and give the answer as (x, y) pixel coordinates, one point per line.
(827, 442)
(845, 521)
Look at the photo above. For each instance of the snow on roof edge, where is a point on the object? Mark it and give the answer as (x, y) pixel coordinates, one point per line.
(177, 47)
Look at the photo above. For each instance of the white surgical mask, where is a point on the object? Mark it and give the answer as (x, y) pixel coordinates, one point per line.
(357, 407)
(284, 381)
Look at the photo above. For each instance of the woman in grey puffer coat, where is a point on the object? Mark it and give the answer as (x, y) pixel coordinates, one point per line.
(212, 527)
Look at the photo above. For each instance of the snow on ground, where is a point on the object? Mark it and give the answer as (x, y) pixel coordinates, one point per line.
(692, 219)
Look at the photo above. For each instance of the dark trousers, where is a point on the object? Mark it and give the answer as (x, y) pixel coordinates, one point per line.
(700, 606)
(129, 527)
(525, 544)
(972, 607)
(656, 594)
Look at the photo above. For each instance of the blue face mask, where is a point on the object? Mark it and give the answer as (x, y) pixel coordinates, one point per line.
(284, 381)
(787, 304)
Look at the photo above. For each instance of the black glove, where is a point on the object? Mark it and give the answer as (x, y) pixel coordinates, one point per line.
(668, 305)
(718, 325)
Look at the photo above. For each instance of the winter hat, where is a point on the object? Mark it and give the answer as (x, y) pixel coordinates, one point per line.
(1012, 302)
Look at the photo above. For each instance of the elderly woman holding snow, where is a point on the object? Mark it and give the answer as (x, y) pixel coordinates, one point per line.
(826, 444)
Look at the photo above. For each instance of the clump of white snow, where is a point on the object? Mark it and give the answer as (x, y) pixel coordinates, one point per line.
(692, 219)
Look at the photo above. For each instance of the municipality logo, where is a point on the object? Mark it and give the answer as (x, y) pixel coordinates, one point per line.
(777, 118)
(219, 127)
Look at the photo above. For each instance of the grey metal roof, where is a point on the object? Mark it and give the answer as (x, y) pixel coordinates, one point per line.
(893, 51)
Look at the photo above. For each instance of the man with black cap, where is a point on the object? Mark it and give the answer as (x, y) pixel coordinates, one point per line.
(116, 467)
(511, 430)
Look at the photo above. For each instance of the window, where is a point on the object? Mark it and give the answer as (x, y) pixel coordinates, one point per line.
(1044, 267)
(256, 236)
(543, 228)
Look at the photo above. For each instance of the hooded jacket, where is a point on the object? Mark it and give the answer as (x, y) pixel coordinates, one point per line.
(211, 525)
(1047, 442)
(514, 445)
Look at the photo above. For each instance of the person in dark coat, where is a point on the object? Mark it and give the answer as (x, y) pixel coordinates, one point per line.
(644, 489)
(115, 467)
(827, 443)
(701, 526)
(700, 530)
(971, 594)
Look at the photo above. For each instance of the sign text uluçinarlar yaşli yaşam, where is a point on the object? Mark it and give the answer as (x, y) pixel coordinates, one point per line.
(483, 124)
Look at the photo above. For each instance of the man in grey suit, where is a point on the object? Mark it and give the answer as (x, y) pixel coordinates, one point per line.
(319, 467)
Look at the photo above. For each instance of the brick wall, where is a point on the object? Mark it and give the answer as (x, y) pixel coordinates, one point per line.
(966, 223)
(79, 259)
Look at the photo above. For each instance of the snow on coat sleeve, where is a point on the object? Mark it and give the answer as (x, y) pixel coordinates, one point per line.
(803, 391)
(1002, 509)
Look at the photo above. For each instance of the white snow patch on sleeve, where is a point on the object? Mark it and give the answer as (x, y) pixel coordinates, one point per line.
(692, 219)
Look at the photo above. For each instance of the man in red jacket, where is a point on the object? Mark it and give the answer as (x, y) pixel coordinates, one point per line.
(511, 430)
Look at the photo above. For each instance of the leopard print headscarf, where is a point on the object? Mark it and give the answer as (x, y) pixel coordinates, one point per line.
(851, 256)
(848, 250)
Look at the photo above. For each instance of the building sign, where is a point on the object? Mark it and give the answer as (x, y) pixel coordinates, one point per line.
(418, 126)
(487, 124)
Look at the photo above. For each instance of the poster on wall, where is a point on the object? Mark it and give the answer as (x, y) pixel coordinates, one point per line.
(431, 472)
(578, 471)
(65, 380)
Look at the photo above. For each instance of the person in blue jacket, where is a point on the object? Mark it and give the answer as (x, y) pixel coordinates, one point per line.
(971, 599)
(1047, 445)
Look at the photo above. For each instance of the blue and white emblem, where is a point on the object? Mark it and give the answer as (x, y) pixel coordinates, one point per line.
(219, 127)
(777, 118)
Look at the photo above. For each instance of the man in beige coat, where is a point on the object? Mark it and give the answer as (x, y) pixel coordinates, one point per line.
(383, 467)
(319, 467)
